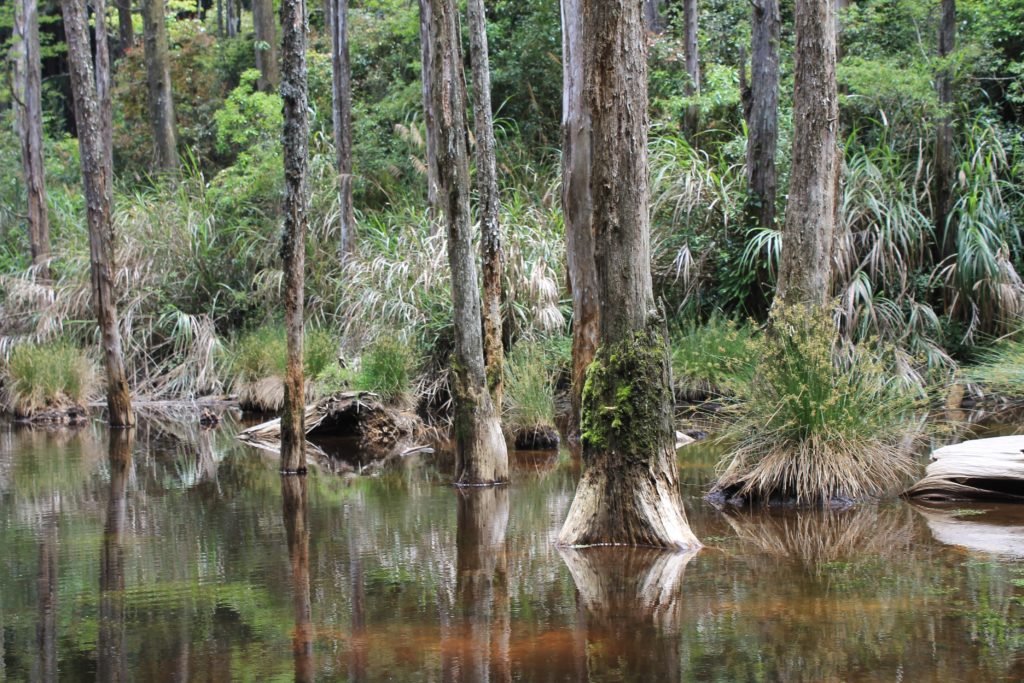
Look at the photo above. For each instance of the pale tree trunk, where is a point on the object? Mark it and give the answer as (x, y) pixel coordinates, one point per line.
(429, 124)
(231, 10)
(158, 81)
(29, 116)
(296, 525)
(92, 119)
(342, 91)
(763, 113)
(629, 491)
(945, 231)
(125, 28)
(489, 202)
(805, 265)
(653, 19)
(691, 119)
(480, 453)
(111, 653)
(296, 220)
(103, 90)
(266, 45)
(577, 206)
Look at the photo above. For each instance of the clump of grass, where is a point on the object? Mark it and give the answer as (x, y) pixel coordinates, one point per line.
(1001, 369)
(52, 376)
(822, 420)
(386, 369)
(258, 358)
(529, 403)
(711, 358)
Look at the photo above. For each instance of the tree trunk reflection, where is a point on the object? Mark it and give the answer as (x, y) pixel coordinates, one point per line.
(111, 665)
(293, 494)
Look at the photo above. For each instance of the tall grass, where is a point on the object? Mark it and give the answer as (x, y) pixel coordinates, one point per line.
(386, 368)
(51, 376)
(711, 358)
(529, 403)
(257, 363)
(1001, 369)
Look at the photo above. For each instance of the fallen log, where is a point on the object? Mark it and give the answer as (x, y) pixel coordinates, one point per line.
(982, 469)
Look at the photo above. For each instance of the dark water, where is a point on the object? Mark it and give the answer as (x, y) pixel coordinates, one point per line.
(180, 555)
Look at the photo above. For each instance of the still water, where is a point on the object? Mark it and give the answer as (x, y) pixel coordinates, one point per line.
(174, 554)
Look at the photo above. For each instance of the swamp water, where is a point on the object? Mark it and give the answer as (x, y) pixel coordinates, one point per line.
(176, 554)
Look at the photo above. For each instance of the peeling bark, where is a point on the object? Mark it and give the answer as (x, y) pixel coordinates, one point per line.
(805, 265)
(158, 82)
(296, 220)
(92, 119)
(629, 491)
(341, 84)
(490, 204)
(481, 457)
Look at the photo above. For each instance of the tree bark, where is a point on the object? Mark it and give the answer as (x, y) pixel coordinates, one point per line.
(429, 124)
(296, 220)
(691, 118)
(342, 91)
(266, 45)
(92, 119)
(945, 230)
(805, 265)
(111, 654)
(480, 453)
(296, 524)
(490, 201)
(763, 113)
(231, 12)
(629, 491)
(125, 28)
(29, 116)
(577, 206)
(654, 21)
(158, 82)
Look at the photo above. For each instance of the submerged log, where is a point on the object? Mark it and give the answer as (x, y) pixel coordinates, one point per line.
(982, 469)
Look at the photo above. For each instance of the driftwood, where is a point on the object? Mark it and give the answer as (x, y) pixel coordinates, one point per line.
(982, 469)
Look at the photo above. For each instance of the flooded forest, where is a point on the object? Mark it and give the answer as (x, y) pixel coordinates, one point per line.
(498, 340)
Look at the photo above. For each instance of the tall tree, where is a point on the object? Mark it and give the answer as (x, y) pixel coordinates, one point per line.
(29, 120)
(942, 192)
(296, 220)
(480, 453)
(629, 491)
(805, 264)
(342, 90)
(489, 202)
(92, 118)
(691, 119)
(231, 16)
(761, 108)
(577, 206)
(158, 82)
(429, 124)
(125, 27)
(266, 45)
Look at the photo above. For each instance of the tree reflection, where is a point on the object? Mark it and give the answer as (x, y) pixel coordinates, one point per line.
(111, 655)
(296, 518)
(475, 643)
(632, 604)
(46, 584)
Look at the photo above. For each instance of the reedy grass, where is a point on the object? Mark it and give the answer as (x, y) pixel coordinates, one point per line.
(51, 376)
(531, 371)
(1001, 369)
(386, 368)
(711, 357)
(257, 365)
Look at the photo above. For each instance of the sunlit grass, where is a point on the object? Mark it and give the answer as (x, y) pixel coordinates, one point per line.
(36, 378)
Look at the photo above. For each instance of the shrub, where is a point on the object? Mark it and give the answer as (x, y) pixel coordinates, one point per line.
(51, 376)
(529, 402)
(711, 358)
(822, 420)
(1001, 369)
(386, 370)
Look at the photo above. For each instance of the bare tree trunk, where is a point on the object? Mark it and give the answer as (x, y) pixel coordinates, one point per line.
(158, 81)
(430, 126)
(92, 118)
(805, 265)
(577, 206)
(945, 230)
(480, 453)
(27, 97)
(629, 491)
(296, 220)
(763, 113)
(220, 18)
(490, 202)
(125, 28)
(111, 654)
(342, 90)
(691, 119)
(266, 45)
(653, 19)
(296, 525)
(232, 12)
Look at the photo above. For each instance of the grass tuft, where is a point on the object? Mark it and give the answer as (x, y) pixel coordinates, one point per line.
(712, 358)
(1001, 369)
(257, 362)
(51, 376)
(531, 371)
(387, 369)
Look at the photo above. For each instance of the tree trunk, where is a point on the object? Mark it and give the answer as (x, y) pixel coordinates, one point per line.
(158, 81)
(111, 653)
(577, 207)
(480, 454)
(266, 45)
(629, 491)
(92, 119)
(691, 119)
(490, 203)
(429, 124)
(945, 230)
(125, 28)
(342, 91)
(29, 116)
(220, 18)
(653, 19)
(293, 238)
(805, 265)
(231, 10)
(763, 113)
(296, 526)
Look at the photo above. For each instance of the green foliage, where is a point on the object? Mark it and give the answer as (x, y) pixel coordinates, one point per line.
(1001, 369)
(262, 352)
(248, 117)
(386, 369)
(36, 378)
(713, 357)
(530, 374)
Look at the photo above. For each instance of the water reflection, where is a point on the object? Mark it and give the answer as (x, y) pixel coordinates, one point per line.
(110, 654)
(46, 584)
(633, 602)
(296, 524)
(989, 528)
